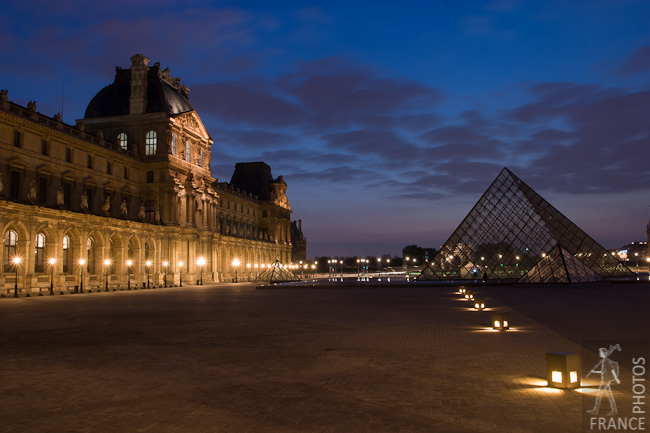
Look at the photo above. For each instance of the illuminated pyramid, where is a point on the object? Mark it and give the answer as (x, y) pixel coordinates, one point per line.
(559, 266)
(506, 234)
(277, 273)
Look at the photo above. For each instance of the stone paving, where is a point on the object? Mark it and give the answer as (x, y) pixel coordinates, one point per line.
(230, 358)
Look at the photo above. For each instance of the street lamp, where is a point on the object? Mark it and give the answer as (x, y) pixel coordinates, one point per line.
(129, 263)
(16, 261)
(165, 264)
(180, 273)
(52, 261)
(107, 263)
(379, 266)
(82, 262)
(148, 265)
(235, 263)
(201, 263)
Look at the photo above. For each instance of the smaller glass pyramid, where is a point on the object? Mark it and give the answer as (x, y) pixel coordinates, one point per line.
(277, 273)
(559, 266)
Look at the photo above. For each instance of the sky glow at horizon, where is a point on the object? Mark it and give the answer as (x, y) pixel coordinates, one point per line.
(387, 119)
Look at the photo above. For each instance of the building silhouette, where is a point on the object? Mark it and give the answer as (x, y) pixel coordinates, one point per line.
(131, 181)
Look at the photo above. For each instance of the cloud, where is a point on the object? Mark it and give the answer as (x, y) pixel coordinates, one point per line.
(637, 63)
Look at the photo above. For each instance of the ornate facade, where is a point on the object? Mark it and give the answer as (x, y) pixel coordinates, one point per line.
(129, 190)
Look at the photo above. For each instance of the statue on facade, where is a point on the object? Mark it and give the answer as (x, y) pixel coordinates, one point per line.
(31, 106)
(141, 212)
(31, 194)
(124, 208)
(157, 214)
(84, 201)
(3, 95)
(107, 204)
(59, 196)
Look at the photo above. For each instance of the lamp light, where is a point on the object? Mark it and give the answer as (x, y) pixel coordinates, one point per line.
(500, 321)
(563, 369)
(479, 304)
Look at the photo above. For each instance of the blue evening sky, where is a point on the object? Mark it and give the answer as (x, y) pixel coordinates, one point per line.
(388, 119)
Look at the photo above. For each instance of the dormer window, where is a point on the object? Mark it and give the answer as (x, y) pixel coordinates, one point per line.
(200, 157)
(151, 143)
(188, 158)
(122, 141)
(174, 144)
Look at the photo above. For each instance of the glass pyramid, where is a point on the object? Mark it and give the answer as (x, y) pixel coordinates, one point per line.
(506, 233)
(277, 273)
(560, 267)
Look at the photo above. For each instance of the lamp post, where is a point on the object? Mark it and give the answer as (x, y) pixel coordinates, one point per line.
(52, 261)
(148, 265)
(16, 261)
(379, 266)
(82, 262)
(107, 263)
(248, 266)
(165, 264)
(129, 263)
(180, 273)
(235, 263)
(201, 263)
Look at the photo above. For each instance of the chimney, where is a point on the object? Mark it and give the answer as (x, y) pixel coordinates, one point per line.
(300, 225)
(139, 72)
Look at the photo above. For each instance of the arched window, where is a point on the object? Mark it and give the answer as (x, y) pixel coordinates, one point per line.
(39, 253)
(200, 157)
(90, 253)
(11, 239)
(122, 140)
(174, 144)
(151, 143)
(66, 255)
(187, 152)
(147, 251)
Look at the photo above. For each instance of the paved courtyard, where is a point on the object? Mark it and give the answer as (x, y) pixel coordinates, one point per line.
(230, 358)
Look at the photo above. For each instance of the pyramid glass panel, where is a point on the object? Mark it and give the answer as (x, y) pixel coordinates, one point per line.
(512, 227)
(559, 266)
(277, 273)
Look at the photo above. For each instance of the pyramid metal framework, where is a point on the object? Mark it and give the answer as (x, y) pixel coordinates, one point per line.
(506, 233)
(277, 273)
(559, 266)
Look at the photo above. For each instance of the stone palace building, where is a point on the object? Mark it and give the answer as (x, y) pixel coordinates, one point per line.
(127, 195)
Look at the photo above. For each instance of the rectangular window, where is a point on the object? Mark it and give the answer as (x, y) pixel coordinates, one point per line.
(149, 211)
(109, 168)
(90, 161)
(150, 177)
(17, 139)
(14, 188)
(126, 173)
(44, 147)
(67, 188)
(68, 154)
(42, 190)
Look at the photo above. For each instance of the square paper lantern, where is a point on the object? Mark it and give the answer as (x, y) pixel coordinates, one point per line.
(469, 295)
(500, 321)
(461, 290)
(479, 304)
(563, 369)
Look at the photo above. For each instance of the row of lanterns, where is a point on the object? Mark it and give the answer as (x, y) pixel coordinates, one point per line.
(500, 320)
(563, 368)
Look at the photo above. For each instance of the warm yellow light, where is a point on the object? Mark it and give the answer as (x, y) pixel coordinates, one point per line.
(256, 265)
(107, 262)
(248, 265)
(180, 264)
(505, 323)
(147, 263)
(497, 324)
(235, 262)
(129, 263)
(52, 261)
(165, 263)
(82, 262)
(573, 376)
(16, 260)
(556, 376)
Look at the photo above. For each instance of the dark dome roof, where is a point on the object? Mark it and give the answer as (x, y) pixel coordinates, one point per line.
(113, 100)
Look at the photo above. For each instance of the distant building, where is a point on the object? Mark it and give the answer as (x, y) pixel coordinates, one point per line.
(633, 254)
(299, 243)
(131, 181)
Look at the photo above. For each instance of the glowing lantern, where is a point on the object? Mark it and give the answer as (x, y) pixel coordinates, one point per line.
(461, 290)
(479, 304)
(563, 369)
(500, 321)
(469, 295)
